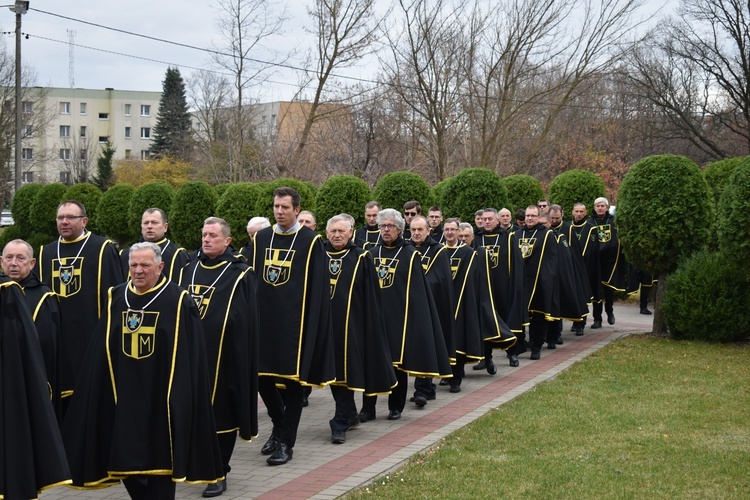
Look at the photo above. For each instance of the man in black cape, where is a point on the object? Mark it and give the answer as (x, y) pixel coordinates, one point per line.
(584, 240)
(142, 410)
(79, 267)
(223, 288)
(33, 456)
(254, 225)
(154, 227)
(18, 265)
(476, 319)
(369, 235)
(294, 311)
(541, 293)
(363, 359)
(611, 261)
(437, 269)
(412, 323)
(507, 282)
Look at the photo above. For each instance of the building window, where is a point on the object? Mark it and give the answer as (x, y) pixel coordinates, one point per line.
(64, 130)
(103, 139)
(28, 107)
(65, 177)
(83, 108)
(145, 154)
(145, 110)
(28, 130)
(84, 154)
(27, 177)
(65, 154)
(64, 108)
(145, 133)
(83, 132)
(127, 154)
(127, 110)
(104, 116)
(27, 153)
(127, 132)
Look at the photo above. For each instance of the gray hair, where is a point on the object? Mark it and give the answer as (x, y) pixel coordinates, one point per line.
(601, 199)
(465, 225)
(395, 215)
(146, 245)
(490, 209)
(29, 248)
(339, 218)
(261, 222)
(225, 229)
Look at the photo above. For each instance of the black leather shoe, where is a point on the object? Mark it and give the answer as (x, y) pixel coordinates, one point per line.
(455, 388)
(551, 345)
(338, 437)
(611, 318)
(478, 366)
(559, 340)
(535, 354)
(579, 332)
(491, 368)
(573, 327)
(282, 455)
(305, 402)
(513, 360)
(271, 444)
(597, 324)
(443, 381)
(215, 489)
(644, 310)
(394, 415)
(420, 400)
(365, 416)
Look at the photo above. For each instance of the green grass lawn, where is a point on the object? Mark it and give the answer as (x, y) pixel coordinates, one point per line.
(643, 417)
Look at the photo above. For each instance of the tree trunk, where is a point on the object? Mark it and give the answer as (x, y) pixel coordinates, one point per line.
(660, 323)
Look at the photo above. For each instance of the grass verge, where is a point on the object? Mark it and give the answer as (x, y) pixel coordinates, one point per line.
(642, 417)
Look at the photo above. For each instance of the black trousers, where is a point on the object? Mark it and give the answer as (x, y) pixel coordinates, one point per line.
(226, 447)
(645, 292)
(607, 304)
(458, 370)
(425, 387)
(538, 328)
(346, 408)
(143, 487)
(397, 398)
(285, 418)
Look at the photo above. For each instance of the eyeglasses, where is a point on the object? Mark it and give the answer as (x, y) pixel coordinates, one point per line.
(542, 205)
(69, 217)
(410, 213)
(387, 226)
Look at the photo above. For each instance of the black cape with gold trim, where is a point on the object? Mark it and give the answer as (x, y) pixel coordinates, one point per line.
(45, 311)
(436, 264)
(174, 258)
(412, 323)
(540, 253)
(571, 287)
(506, 276)
(363, 359)
(81, 285)
(584, 240)
(294, 305)
(144, 405)
(611, 260)
(33, 456)
(224, 291)
(367, 236)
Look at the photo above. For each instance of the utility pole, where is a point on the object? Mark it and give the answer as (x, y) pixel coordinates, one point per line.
(20, 8)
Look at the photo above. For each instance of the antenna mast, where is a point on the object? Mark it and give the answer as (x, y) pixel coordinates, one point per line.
(71, 65)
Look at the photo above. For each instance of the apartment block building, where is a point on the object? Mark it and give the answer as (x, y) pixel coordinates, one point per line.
(64, 129)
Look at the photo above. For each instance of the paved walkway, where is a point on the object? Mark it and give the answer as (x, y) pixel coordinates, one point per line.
(323, 470)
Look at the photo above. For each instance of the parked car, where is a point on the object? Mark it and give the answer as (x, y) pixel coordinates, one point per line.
(6, 219)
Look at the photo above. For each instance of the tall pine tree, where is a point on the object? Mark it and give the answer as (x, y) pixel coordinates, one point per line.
(172, 134)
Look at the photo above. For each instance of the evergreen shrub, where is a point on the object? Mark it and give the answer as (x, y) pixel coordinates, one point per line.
(473, 189)
(707, 298)
(88, 195)
(342, 194)
(523, 190)
(21, 208)
(264, 207)
(717, 175)
(733, 225)
(396, 188)
(576, 186)
(193, 203)
(44, 208)
(151, 195)
(110, 218)
(236, 207)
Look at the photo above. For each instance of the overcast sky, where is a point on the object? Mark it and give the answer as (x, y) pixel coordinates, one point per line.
(105, 58)
(101, 56)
